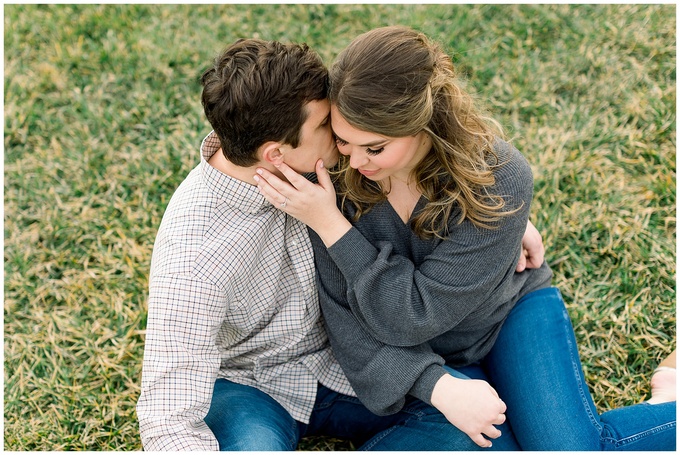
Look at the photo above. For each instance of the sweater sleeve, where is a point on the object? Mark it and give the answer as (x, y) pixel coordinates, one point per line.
(403, 305)
(380, 374)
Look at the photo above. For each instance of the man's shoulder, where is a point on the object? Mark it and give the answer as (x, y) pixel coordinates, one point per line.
(182, 229)
(206, 238)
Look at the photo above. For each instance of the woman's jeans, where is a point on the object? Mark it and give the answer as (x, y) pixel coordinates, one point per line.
(244, 418)
(535, 367)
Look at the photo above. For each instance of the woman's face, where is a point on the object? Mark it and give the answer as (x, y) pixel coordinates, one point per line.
(375, 156)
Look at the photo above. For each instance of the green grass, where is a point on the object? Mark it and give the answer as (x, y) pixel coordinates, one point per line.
(103, 121)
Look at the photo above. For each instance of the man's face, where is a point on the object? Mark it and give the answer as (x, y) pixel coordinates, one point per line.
(316, 140)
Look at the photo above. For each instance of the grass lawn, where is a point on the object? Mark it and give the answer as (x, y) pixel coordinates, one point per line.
(103, 121)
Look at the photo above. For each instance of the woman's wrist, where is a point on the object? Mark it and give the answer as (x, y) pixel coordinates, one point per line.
(441, 392)
(332, 229)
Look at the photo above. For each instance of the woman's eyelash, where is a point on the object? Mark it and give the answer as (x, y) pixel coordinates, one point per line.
(370, 151)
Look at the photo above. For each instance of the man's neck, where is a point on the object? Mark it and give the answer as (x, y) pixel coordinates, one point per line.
(222, 164)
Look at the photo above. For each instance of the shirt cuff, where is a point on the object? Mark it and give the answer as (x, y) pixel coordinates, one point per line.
(424, 385)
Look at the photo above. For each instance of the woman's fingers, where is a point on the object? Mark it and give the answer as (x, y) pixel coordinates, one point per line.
(275, 190)
(270, 194)
(493, 432)
(296, 180)
(323, 176)
(480, 440)
(274, 186)
(266, 179)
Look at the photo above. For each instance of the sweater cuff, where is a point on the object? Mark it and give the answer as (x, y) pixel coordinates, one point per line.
(423, 387)
(352, 253)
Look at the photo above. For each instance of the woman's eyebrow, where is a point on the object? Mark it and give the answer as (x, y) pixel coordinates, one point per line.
(370, 144)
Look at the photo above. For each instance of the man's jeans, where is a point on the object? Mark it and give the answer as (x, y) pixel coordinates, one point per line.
(535, 367)
(244, 418)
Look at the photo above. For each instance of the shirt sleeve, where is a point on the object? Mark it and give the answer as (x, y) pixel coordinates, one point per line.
(380, 374)
(404, 305)
(180, 365)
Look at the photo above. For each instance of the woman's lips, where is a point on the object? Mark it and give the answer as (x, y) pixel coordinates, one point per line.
(367, 173)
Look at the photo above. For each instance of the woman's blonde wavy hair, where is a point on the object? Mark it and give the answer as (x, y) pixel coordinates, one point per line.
(395, 82)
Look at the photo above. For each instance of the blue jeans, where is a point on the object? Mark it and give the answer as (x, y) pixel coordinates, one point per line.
(535, 367)
(244, 418)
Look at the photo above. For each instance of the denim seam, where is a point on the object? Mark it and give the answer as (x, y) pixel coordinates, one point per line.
(376, 439)
(633, 438)
(328, 404)
(350, 399)
(295, 438)
(417, 414)
(575, 370)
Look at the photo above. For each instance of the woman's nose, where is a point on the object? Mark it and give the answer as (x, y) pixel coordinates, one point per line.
(357, 158)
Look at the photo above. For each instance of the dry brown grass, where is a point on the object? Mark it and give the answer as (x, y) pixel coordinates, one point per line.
(103, 120)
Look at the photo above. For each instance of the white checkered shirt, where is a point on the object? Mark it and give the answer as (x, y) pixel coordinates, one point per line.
(232, 294)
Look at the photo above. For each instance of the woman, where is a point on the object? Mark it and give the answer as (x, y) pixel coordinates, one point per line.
(417, 272)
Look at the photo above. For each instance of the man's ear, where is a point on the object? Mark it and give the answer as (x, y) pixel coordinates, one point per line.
(271, 152)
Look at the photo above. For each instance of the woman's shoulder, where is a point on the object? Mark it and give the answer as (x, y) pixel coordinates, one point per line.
(513, 178)
(510, 166)
(507, 152)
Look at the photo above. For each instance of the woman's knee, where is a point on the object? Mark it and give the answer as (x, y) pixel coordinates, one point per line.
(542, 308)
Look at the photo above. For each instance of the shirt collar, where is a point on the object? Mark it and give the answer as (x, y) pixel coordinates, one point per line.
(240, 195)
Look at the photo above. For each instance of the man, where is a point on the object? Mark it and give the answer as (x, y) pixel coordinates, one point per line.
(236, 356)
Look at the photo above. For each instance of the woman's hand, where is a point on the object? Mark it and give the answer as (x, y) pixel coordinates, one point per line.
(313, 204)
(472, 405)
(533, 251)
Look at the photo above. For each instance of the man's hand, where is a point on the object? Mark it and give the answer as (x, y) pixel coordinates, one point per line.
(471, 405)
(533, 251)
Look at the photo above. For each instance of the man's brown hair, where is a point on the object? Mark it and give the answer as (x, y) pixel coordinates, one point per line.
(256, 92)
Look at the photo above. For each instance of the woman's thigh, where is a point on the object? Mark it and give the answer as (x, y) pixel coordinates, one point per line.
(244, 418)
(535, 368)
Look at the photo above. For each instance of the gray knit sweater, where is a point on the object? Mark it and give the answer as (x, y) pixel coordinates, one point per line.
(398, 307)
